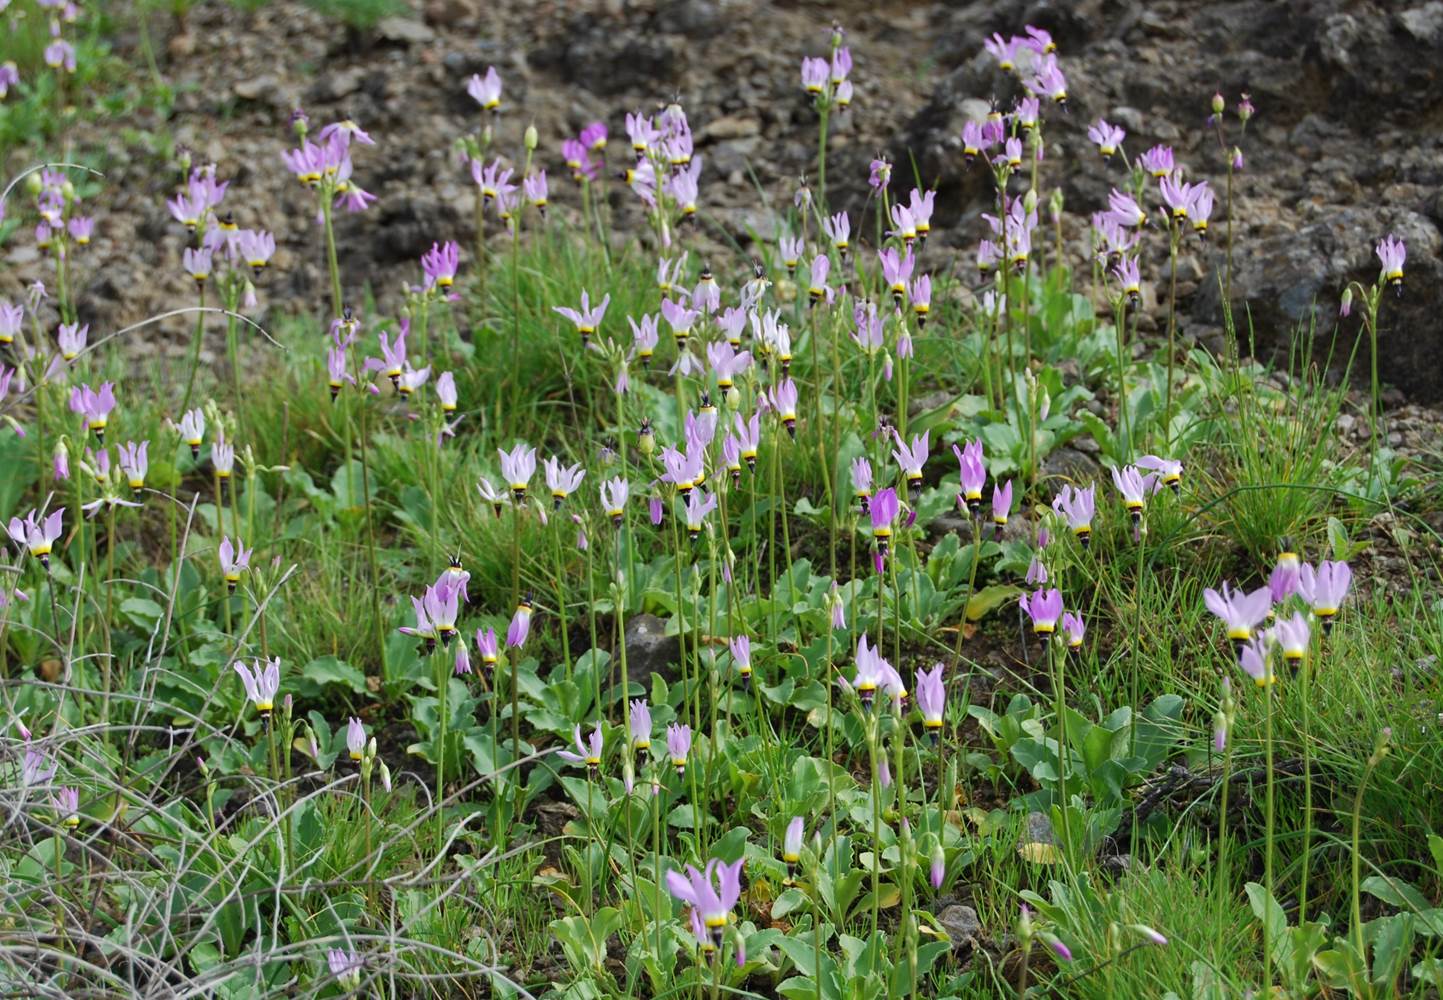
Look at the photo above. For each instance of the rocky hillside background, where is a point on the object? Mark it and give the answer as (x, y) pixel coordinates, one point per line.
(1346, 145)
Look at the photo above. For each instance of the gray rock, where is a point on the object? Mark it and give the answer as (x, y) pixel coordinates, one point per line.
(730, 127)
(1070, 464)
(962, 926)
(649, 650)
(404, 30)
(1424, 23)
(1039, 829)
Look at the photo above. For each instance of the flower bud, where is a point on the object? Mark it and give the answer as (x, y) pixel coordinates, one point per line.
(1029, 201)
(1345, 305)
(530, 138)
(385, 776)
(33, 183)
(486, 136)
(1218, 104)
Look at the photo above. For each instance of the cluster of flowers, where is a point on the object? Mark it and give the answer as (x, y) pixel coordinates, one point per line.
(219, 238)
(325, 165)
(37, 772)
(1311, 594)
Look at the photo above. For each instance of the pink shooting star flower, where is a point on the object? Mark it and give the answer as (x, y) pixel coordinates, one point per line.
(699, 503)
(134, 462)
(192, 430)
(1176, 194)
(903, 225)
(1011, 155)
(640, 725)
(1240, 612)
(1392, 252)
(1324, 589)
(883, 510)
(1003, 50)
(816, 74)
(680, 318)
(536, 190)
(94, 405)
(446, 392)
(197, 263)
(487, 648)
(262, 683)
(81, 228)
(561, 481)
(1026, 112)
(60, 53)
(1157, 161)
(355, 739)
(1048, 81)
(791, 249)
(588, 318)
(741, 650)
(911, 459)
(1123, 210)
(12, 317)
(784, 401)
(1074, 628)
(588, 753)
(896, 271)
(818, 289)
(862, 483)
(972, 471)
(642, 132)
(9, 77)
(486, 91)
(1129, 276)
(1044, 607)
(1169, 471)
(880, 174)
(872, 672)
(838, 229)
(1134, 487)
(411, 379)
(66, 802)
(712, 893)
(1108, 138)
(346, 965)
(1077, 508)
(678, 745)
(614, 494)
(685, 187)
(256, 249)
(594, 136)
(520, 627)
(749, 437)
(643, 338)
(1200, 207)
(517, 468)
(1001, 503)
(37, 533)
(920, 292)
(70, 338)
(920, 205)
(1254, 660)
(1284, 578)
(493, 180)
(234, 558)
(1293, 635)
(792, 841)
(931, 699)
(222, 455)
(440, 263)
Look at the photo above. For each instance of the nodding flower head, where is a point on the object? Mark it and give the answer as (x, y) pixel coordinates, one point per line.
(862, 482)
(486, 90)
(1044, 607)
(70, 338)
(262, 682)
(1108, 138)
(1158, 161)
(1292, 635)
(1392, 252)
(517, 468)
(94, 405)
(192, 430)
(791, 249)
(562, 481)
(67, 807)
(741, 650)
(588, 318)
(1001, 503)
(643, 338)
(486, 647)
(355, 739)
(588, 753)
(884, 508)
(680, 318)
(1240, 612)
(931, 699)
(678, 745)
(134, 461)
(816, 73)
(222, 455)
(256, 249)
(873, 672)
(440, 263)
(784, 401)
(972, 471)
(792, 841)
(1074, 628)
(911, 458)
(712, 892)
(614, 494)
(1169, 471)
(640, 724)
(37, 533)
(818, 289)
(234, 559)
(897, 270)
(1123, 210)
(520, 627)
(1134, 487)
(839, 230)
(920, 292)
(699, 503)
(1077, 507)
(1254, 660)
(1325, 588)
(1283, 580)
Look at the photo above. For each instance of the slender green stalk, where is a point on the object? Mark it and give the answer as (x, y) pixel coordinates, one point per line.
(1268, 828)
(443, 682)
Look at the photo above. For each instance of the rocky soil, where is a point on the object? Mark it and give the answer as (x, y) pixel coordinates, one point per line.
(1347, 143)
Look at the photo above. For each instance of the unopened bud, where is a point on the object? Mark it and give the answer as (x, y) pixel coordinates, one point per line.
(1029, 201)
(385, 776)
(486, 135)
(530, 138)
(1218, 104)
